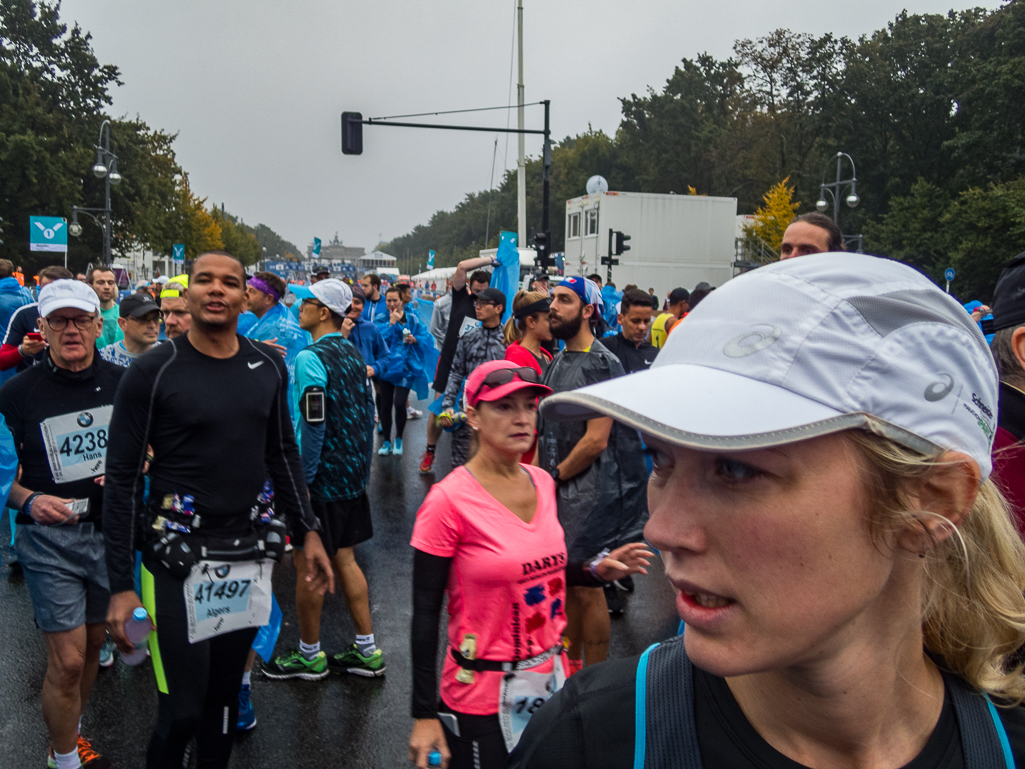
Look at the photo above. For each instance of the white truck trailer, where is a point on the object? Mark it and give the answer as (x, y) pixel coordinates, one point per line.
(675, 240)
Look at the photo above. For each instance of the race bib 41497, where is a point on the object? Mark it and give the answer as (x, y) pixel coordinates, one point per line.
(76, 444)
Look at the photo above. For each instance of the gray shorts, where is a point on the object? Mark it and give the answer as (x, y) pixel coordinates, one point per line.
(66, 572)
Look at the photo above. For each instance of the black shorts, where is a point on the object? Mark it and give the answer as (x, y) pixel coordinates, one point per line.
(343, 522)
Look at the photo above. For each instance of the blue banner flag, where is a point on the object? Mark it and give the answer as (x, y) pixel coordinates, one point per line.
(316, 247)
(430, 260)
(506, 277)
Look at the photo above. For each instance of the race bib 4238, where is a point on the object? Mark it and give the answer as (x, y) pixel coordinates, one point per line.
(76, 444)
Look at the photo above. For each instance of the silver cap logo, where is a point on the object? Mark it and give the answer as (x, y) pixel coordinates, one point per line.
(939, 390)
(752, 341)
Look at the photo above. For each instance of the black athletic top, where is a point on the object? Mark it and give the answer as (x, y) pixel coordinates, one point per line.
(59, 420)
(218, 429)
(462, 308)
(633, 357)
(24, 320)
(590, 723)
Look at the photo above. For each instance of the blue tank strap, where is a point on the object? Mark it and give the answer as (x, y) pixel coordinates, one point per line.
(640, 708)
(983, 738)
(665, 681)
(1005, 744)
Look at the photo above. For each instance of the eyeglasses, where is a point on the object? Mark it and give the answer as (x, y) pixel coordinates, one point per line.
(505, 376)
(481, 302)
(314, 302)
(59, 322)
(146, 319)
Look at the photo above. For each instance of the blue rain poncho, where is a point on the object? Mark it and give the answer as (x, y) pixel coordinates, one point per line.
(405, 364)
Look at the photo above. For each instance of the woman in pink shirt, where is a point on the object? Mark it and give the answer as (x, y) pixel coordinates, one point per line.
(488, 536)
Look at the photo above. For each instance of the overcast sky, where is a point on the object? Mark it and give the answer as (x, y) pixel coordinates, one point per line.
(255, 88)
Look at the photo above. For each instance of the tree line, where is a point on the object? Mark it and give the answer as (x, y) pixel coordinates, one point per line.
(931, 108)
(54, 94)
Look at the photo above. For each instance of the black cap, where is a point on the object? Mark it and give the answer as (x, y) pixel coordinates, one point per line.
(540, 276)
(492, 295)
(1009, 295)
(321, 268)
(678, 295)
(137, 305)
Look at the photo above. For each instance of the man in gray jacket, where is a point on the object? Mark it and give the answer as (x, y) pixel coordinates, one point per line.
(476, 347)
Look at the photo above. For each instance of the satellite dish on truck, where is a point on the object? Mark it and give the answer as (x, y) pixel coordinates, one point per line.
(597, 185)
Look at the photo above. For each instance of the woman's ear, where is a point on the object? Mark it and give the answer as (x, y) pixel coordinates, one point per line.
(948, 493)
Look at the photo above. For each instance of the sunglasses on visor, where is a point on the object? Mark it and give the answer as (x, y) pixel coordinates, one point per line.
(505, 376)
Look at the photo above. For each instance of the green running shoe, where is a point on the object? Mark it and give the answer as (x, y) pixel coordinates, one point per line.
(295, 665)
(351, 661)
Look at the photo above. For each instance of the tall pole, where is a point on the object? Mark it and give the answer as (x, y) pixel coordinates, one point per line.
(546, 162)
(836, 194)
(521, 167)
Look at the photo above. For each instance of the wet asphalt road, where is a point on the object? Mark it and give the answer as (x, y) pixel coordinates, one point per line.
(337, 722)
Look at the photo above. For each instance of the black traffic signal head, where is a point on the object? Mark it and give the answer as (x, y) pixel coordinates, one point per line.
(541, 240)
(352, 133)
(621, 246)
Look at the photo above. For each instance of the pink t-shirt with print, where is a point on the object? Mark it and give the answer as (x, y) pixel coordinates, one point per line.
(507, 583)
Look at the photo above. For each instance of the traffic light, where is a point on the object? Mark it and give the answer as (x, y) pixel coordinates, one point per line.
(621, 246)
(352, 133)
(541, 241)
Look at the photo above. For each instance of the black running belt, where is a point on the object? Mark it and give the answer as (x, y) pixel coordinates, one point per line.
(665, 715)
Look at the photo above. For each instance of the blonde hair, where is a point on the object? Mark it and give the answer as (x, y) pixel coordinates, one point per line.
(514, 329)
(973, 609)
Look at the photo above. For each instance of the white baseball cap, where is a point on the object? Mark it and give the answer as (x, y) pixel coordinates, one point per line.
(334, 294)
(807, 347)
(63, 293)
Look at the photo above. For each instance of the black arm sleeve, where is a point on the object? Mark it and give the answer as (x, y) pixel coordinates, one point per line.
(430, 576)
(578, 575)
(285, 466)
(123, 485)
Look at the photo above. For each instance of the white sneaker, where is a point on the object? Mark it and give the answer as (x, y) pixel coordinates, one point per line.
(412, 413)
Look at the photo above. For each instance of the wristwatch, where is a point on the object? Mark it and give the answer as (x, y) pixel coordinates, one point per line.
(555, 474)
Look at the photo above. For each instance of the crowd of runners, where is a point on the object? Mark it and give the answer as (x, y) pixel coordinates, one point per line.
(825, 455)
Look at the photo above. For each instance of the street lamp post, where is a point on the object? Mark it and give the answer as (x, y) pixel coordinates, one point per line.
(836, 189)
(105, 168)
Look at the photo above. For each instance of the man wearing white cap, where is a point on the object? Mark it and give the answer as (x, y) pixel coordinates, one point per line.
(59, 414)
(335, 433)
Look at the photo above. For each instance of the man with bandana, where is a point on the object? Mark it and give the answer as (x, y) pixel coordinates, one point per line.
(275, 325)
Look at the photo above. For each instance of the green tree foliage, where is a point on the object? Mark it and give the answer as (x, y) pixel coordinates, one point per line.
(931, 108)
(53, 98)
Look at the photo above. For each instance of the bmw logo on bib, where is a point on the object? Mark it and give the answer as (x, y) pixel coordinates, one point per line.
(85, 419)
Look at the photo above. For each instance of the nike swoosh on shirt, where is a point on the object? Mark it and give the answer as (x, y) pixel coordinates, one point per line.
(254, 365)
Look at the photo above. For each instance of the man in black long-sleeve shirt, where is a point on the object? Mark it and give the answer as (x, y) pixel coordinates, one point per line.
(212, 407)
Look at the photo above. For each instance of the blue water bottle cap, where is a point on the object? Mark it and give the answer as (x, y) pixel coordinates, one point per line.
(434, 759)
(139, 615)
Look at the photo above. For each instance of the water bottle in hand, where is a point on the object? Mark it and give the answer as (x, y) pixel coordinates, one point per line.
(137, 629)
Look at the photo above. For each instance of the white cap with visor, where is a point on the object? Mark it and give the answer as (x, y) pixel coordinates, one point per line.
(808, 347)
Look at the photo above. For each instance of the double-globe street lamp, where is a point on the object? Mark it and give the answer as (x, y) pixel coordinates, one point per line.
(836, 190)
(105, 168)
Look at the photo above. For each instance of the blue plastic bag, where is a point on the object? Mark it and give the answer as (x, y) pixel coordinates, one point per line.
(267, 636)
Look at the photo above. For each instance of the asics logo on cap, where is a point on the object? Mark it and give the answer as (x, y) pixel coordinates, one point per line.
(937, 391)
(752, 341)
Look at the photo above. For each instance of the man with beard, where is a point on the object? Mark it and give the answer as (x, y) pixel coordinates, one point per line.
(598, 466)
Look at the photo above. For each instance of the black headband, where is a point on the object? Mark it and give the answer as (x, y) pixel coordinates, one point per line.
(541, 305)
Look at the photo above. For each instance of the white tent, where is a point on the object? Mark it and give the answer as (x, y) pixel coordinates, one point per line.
(438, 273)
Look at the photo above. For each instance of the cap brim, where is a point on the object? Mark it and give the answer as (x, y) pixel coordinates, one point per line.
(302, 292)
(707, 408)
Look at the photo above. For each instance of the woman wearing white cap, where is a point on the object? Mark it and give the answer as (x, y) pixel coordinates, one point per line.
(850, 579)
